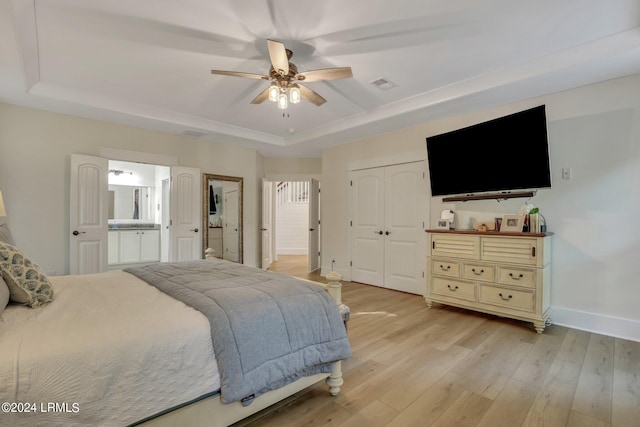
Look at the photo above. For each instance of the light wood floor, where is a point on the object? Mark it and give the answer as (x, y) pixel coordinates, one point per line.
(414, 366)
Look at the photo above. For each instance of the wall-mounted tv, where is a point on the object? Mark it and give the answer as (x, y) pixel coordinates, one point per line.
(500, 155)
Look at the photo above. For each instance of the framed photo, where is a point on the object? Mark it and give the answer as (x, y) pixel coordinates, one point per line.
(442, 224)
(512, 223)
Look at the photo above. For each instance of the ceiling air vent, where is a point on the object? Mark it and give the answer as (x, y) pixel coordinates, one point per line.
(194, 133)
(383, 84)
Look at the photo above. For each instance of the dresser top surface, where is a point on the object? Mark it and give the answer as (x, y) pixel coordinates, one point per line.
(488, 233)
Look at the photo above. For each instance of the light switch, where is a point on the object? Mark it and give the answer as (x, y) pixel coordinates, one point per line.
(566, 173)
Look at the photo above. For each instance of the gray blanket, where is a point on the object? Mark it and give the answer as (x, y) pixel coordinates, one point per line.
(267, 329)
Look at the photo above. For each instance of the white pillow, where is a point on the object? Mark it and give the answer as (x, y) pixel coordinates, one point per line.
(4, 294)
(27, 284)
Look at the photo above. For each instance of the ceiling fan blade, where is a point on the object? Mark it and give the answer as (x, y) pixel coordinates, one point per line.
(238, 74)
(311, 96)
(278, 56)
(262, 96)
(325, 74)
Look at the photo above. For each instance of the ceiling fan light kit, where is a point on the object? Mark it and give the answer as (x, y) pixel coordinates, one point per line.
(283, 101)
(284, 77)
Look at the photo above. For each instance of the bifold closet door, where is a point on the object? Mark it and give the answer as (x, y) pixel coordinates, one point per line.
(367, 226)
(404, 236)
(387, 206)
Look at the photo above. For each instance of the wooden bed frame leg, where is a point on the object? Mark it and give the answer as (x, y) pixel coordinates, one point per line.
(334, 287)
(335, 379)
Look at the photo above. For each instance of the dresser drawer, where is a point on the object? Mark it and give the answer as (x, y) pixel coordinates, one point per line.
(517, 276)
(445, 268)
(504, 297)
(485, 273)
(454, 289)
(510, 250)
(455, 246)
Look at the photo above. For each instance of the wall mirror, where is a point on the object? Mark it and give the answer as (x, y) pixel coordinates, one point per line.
(131, 203)
(222, 216)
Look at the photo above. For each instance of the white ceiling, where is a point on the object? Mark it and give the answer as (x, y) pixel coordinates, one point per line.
(147, 63)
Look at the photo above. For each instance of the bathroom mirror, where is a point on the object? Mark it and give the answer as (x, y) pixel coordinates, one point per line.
(222, 216)
(129, 203)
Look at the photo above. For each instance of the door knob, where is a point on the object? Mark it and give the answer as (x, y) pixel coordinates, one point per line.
(195, 230)
(76, 232)
(387, 232)
(311, 229)
(263, 229)
(378, 232)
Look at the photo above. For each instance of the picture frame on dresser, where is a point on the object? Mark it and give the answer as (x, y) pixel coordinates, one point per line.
(442, 224)
(512, 223)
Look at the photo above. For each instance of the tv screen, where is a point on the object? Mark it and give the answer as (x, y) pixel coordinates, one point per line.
(507, 153)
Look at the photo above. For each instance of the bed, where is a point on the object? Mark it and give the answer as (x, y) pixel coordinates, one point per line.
(113, 349)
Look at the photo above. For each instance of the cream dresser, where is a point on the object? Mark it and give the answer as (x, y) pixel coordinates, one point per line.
(506, 274)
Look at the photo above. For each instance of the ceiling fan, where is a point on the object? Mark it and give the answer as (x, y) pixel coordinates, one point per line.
(285, 80)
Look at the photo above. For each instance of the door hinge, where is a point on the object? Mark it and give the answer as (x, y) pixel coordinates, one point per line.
(350, 223)
(351, 183)
(318, 253)
(423, 176)
(170, 222)
(423, 274)
(350, 263)
(318, 222)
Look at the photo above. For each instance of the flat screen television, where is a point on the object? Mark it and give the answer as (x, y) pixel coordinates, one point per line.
(500, 155)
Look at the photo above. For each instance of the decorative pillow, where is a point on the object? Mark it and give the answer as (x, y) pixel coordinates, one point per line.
(27, 284)
(4, 294)
(5, 234)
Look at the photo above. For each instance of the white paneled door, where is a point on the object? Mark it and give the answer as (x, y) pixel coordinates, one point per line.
(88, 214)
(186, 214)
(314, 225)
(367, 226)
(387, 212)
(231, 231)
(266, 230)
(404, 235)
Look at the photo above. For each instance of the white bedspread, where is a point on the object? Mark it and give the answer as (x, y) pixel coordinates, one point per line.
(109, 350)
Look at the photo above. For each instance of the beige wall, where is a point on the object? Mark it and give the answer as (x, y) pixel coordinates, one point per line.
(284, 165)
(595, 130)
(35, 148)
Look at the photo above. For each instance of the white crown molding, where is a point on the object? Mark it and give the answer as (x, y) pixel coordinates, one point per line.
(587, 52)
(102, 102)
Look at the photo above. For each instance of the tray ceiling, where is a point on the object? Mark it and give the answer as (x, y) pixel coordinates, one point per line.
(147, 63)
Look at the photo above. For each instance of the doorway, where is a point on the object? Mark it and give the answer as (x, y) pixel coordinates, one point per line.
(89, 212)
(291, 222)
(138, 212)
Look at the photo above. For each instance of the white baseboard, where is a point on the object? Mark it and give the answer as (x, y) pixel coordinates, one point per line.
(596, 323)
(293, 251)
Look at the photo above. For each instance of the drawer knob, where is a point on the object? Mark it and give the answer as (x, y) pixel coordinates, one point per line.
(477, 273)
(443, 268)
(503, 298)
(518, 277)
(452, 289)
